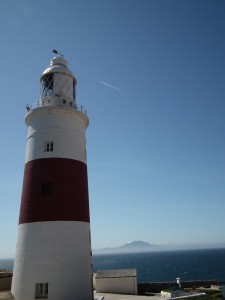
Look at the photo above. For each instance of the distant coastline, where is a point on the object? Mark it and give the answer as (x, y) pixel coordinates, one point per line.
(141, 246)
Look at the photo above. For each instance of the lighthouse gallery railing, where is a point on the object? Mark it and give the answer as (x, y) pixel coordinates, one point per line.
(61, 104)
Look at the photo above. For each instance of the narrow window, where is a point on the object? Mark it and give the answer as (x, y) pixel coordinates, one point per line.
(74, 90)
(64, 102)
(47, 84)
(49, 146)
(46, 189)
(41, 291)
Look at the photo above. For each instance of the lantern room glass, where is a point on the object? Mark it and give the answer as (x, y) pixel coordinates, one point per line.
(47, 84)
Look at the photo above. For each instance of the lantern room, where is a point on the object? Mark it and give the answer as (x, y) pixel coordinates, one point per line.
(58, 84)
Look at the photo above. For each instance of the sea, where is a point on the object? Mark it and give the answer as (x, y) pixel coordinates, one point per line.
(160, 266)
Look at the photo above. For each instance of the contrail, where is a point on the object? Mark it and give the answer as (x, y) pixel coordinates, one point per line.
(112, 87)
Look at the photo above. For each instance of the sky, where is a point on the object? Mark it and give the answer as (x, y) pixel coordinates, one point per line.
(151, 75)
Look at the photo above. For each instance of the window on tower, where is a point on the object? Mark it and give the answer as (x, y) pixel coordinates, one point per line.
(41, 291)
(74, 90)
(47, 189)
(47, 84)
(49, 146)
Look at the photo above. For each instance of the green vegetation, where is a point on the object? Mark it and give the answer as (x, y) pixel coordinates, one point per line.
(210, 294)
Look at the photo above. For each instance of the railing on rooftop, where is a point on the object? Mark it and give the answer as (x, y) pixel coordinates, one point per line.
(60, 104)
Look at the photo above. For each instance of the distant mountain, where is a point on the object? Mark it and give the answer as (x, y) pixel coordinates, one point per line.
(134, 246)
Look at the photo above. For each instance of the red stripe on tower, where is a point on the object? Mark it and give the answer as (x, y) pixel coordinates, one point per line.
(49, 194)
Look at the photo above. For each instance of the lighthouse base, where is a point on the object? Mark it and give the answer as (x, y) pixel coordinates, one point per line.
(53, 261)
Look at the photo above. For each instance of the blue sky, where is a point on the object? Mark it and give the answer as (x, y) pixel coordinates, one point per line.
(156, 140)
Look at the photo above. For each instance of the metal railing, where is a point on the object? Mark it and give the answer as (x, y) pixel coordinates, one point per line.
(61, 104)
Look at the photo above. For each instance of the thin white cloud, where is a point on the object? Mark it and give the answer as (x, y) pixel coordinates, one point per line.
(112, 87)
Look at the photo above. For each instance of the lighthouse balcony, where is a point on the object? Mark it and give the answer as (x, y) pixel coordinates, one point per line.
(57, 103)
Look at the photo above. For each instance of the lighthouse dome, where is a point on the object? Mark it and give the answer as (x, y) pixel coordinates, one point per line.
(58, 65)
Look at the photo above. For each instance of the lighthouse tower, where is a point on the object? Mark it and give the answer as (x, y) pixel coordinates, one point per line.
(53, 253)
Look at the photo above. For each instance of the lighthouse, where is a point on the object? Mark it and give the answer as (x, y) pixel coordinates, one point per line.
(53, 251)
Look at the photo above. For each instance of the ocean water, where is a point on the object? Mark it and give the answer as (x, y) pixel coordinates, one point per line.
(6, 264)
(168, 265)
(161, 266)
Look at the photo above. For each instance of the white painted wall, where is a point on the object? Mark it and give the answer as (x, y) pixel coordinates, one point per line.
(65, 127)
(57, 253)
(119, 285)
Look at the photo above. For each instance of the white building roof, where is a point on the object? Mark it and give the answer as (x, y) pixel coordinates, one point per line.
(116, 273)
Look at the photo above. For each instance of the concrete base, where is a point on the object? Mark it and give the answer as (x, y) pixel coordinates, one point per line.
(6, 295)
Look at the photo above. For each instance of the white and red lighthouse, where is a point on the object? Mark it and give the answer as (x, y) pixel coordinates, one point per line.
(53, 253)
